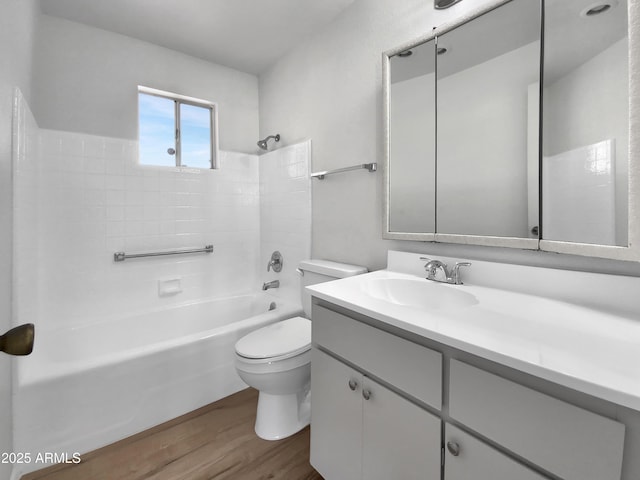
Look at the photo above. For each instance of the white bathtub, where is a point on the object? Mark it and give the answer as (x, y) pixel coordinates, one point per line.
(86, 387)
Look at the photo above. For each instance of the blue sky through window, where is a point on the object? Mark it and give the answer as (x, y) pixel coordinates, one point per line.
(195, 136)
(157, 132)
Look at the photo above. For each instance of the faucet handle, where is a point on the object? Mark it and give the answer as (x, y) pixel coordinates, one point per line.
(456, 272)
(275, 262)
(426, 259)
(431, 267)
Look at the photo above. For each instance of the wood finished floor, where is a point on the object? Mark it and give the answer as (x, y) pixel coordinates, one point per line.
(214, 442)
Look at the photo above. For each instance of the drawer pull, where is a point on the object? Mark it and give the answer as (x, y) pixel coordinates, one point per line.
(366, 394)
(454, 448)
(353, 385)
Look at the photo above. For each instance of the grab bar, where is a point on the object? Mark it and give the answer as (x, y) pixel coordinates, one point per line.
(372, 167)
(121, 256)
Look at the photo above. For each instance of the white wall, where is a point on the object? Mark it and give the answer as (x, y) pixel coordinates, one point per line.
(482, 146)
(412, 133)
(591, 104)
(85, 80)
(17, 24)
(329, 88)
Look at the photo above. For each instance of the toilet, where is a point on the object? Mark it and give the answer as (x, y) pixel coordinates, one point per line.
(276, 359)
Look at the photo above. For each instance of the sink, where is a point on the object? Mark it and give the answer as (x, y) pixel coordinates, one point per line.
(419, 293)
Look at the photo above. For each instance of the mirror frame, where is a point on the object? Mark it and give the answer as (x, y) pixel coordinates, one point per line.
(628, 253)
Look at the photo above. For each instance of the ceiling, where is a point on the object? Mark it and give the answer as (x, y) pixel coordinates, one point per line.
(571, 38)
(247, 35)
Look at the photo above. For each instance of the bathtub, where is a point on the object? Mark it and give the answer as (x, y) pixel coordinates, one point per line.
(86, 387)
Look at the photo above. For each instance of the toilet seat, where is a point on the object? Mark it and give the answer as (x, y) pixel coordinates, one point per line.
(268, 366)
(278, 341)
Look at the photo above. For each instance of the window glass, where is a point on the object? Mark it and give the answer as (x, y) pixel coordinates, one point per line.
(175, 130)
(157, 137)
(195, 136)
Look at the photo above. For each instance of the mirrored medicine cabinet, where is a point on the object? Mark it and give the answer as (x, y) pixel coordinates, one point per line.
(502, 130)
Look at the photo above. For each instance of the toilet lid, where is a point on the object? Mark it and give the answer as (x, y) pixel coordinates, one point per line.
(288, 337)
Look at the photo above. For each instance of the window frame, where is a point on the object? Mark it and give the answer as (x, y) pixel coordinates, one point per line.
(186, 100)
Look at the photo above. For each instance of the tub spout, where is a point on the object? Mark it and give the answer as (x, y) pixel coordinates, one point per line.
(272, 284)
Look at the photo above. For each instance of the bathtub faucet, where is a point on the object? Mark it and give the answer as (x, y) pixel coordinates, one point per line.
(272, 284)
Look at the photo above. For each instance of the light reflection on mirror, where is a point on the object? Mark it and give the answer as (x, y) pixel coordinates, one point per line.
(487, 127)
(585, 122)
(412, 140)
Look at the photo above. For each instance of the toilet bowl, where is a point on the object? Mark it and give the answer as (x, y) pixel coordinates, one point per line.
(276, 360)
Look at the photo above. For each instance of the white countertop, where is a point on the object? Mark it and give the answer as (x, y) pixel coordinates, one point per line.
(595, 351)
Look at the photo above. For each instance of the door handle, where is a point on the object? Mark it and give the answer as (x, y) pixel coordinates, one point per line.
(18, 340)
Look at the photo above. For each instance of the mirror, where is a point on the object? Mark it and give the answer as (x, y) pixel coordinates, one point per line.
(488, 74)
(482, 180)
(585, 164)
(412, 124)
(558, 174)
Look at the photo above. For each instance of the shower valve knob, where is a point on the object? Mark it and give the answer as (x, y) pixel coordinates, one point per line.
(275, 262)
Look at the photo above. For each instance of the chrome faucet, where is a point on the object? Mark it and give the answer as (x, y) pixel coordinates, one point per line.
(272, 284)
(452, 277)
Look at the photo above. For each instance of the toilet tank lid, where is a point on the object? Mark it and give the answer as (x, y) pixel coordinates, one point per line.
(332, 269)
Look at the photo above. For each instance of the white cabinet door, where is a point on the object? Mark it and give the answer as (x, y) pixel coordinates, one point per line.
(467, 458)
(400, 440)
(336, 418)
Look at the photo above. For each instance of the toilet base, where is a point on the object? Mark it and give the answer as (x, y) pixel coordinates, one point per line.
(280, 416)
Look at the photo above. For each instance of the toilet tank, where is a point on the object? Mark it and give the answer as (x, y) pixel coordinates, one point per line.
(318, 271)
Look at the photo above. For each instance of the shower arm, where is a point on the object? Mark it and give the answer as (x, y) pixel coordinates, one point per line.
(263, 143)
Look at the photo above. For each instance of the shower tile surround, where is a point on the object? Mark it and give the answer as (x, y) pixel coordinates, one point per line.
(285, 213)
(79, 198)
(25, 192)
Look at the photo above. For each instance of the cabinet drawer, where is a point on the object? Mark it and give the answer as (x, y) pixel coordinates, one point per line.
(407, 366)
(566, 440)
(477, 460)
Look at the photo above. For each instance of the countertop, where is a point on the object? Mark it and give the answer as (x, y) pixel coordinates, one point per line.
(590, 350)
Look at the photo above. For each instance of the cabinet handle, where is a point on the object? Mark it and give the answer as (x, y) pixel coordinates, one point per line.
(366, 394)
(353, 385)
(454, 448)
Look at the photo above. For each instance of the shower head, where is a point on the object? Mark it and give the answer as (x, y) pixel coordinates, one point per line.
(263, 143)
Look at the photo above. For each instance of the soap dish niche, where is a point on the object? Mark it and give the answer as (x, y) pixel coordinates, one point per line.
(169, 286)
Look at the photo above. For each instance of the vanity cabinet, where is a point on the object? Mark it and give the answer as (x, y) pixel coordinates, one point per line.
(467, 458)
(408, 366)
(362, 429)
(568, 441)
(385, 406)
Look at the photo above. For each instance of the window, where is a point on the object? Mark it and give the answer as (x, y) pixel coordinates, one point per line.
(176, 131)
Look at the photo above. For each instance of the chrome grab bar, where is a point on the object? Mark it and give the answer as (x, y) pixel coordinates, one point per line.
(372, 167)
(121, 256)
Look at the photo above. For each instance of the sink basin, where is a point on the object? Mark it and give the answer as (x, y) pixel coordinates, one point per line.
(419, 293)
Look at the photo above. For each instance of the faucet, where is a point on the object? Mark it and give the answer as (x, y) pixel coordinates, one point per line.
(452, 277)
(272, 284)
